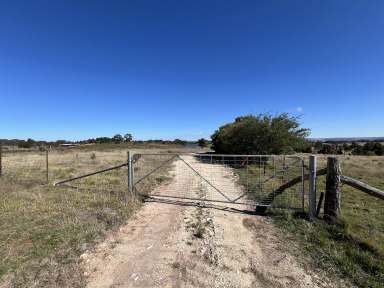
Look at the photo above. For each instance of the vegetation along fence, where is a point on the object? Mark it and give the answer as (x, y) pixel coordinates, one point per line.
(267, 181)
(332, 195)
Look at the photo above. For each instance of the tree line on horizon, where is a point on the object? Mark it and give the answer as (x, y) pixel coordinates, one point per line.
(372, 148)
(261, 134)
(116, 139)
(29, 143)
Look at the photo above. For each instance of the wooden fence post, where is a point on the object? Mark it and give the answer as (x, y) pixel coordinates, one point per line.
(312, 187)
(332, 190)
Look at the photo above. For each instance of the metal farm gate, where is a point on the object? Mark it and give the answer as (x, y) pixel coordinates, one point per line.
(256, 180)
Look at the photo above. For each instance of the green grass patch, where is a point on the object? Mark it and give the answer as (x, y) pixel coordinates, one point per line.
(354, 247)
(335, 249)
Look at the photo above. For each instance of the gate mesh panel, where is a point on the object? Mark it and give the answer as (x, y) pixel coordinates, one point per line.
(232, 179)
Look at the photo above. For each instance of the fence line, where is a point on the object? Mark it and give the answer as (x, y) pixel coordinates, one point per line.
(375, 192)
(332, 196)
(90, 174)
(46, 165)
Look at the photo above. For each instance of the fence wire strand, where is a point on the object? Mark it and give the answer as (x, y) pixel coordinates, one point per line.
(240, 179)
(233, 179)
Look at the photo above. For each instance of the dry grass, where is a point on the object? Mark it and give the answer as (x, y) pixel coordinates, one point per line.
(354, 248)
(44, 229)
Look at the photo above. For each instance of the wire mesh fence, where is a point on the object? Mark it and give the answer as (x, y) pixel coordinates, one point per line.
(103, 175)
(40, 167)
(151, 170)
(104, 184)
(234, 179)
(238, 179)
(67, 164)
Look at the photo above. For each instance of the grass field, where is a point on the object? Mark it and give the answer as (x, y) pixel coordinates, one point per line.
(44, 229)
(353, 249)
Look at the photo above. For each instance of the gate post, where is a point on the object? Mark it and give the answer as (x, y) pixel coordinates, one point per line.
(130, 173)
(312, 187)
(332, 190)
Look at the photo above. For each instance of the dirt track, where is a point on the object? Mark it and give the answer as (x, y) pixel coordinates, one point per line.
(173, 244)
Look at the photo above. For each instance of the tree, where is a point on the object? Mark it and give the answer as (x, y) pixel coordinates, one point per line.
(202, 142)
(378, 148)
(260, 134)
(128, 137)
(318, 146)
(117, 138)
(26, 144)
(373, 148)
(180, 142)
(346, 147)
(331, 149)
(103, 140)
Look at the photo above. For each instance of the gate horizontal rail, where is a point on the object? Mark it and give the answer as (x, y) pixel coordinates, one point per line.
(228, 178)
(236, 179)
(90, 174)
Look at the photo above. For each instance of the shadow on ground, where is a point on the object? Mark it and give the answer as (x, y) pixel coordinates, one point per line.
(246, 210)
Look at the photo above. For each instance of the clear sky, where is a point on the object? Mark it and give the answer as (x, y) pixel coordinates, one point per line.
(166, 69)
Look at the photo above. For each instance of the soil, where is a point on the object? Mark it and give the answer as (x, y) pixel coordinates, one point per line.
(176, 243)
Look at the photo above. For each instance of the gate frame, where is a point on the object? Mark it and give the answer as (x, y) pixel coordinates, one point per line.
(133, 192)
(299, 158)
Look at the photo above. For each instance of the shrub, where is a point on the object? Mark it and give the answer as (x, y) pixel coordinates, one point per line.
(128, 137)
(117, 138)
(260, 134)
(369, 148)
(202, 142)
(180, 142)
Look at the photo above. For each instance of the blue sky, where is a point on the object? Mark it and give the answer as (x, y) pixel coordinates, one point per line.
(179, 69)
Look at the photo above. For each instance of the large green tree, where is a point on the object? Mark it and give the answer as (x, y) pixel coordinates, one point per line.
(118, 138)
(202, 142)
(260, 134)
